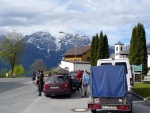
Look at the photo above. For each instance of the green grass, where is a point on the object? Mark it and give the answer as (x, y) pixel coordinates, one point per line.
(142, 90)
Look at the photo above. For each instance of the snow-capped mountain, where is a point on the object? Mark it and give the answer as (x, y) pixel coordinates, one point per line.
(148, 45)
(42, 45)
(42, 40)
(45, 42)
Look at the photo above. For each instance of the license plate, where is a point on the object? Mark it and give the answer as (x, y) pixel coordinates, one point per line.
(54, 87)
(109, 107)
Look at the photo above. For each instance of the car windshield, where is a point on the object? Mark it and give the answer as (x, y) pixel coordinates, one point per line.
(55, 80)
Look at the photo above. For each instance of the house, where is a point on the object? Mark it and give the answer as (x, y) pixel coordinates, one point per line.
(77, 58)
(121, 53)
(78, 54)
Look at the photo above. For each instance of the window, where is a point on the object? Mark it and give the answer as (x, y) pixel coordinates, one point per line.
(121, 48)
(59, 80)
(124, 64)
(106, 63)
(55, 80)
(116, 48)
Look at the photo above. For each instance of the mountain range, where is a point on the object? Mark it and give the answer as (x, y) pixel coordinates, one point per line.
(42, 45)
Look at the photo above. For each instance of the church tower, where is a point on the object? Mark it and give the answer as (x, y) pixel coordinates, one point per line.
(119, 47)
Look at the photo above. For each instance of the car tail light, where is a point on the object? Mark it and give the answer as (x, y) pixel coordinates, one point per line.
(131, 82)
(123, 107)
(94, 106)
(44, 86)
(65, 86)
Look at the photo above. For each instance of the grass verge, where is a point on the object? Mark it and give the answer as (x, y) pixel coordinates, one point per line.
(142, 90)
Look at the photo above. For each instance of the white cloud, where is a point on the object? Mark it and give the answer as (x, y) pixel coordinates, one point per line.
(115, 18)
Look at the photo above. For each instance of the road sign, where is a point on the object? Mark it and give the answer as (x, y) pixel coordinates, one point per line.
(137, 67)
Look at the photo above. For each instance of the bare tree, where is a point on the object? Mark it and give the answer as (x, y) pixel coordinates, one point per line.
(12, 49)
(37, 65)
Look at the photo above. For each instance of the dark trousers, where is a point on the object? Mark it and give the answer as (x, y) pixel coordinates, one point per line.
(40, 88)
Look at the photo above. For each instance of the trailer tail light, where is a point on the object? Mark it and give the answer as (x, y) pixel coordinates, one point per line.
(120, 107)
(94, 106)
(131, 82)
(123, 107)
(127, 108)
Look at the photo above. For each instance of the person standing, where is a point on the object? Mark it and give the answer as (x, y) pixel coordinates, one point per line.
(33, 76)
(37, 79)
(78, 77)
(41, 82)
(85, 82)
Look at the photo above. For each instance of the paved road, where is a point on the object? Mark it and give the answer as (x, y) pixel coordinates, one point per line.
(16, 94)
(20, 96)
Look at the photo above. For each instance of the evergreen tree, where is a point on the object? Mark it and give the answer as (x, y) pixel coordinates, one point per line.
(106, 49)
(100, 53)
(92, 60)
(138, 49)
(99, 48)
(132, 46)
(142, 48)
(96, 49)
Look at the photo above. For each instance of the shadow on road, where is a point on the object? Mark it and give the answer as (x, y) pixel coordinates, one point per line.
(6, 86)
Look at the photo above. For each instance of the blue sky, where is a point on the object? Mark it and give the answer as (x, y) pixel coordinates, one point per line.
(116, 18)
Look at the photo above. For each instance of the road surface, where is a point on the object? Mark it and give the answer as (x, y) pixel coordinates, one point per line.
(19, 95)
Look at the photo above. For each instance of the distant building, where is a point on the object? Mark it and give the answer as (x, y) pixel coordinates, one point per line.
(77, 59)
(77, 54)
(119, 47)
(121, 53)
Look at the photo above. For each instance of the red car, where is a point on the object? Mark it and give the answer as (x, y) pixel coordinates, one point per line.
(57, 85)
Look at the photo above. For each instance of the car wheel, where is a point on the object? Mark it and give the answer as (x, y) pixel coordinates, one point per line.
(93, 111)
(129, 111)
(73, 90)
(46, 95)
(69, 95)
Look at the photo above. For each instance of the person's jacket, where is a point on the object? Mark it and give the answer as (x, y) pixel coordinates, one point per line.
(41, 77)
(78, 75)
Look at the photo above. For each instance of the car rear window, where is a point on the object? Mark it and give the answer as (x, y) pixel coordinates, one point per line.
(123, 64)
(106, 63)
(55, 80)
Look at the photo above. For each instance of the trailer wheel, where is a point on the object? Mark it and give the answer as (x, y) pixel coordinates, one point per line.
(93, 111)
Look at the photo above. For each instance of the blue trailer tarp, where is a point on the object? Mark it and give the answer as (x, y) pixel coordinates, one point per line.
(108, 81)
